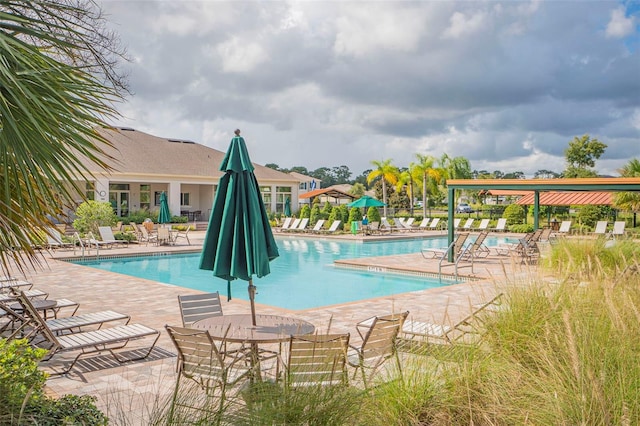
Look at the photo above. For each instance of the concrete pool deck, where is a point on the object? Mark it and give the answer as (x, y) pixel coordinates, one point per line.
(132, 388)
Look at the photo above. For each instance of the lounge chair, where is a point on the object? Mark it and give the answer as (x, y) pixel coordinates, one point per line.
(54, 239)
(477, 249)
(468, 225)
(334, 227)
(435, 223)
(565, 228)
(194, 307)
(106, 235)
(386, 226)
(484, 224)
(463, 331)
(601, 228)
(146, 236)
(318, 226)
(201, 360)
(303, 224)
(423, 224)
(285, 224)
(183, 234)
(456, 223)
(545, 235)
(501, 226)
(317, 360)
(294, 225)
(457, 245)
(92, 241)
(372, 228)
(88, 343)
(32, 294)
(14, 284)
(378, 335)
(618, 229)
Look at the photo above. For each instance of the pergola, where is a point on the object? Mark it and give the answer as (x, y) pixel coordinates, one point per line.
(537, 186)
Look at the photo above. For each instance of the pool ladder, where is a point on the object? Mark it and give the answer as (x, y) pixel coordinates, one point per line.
(455, 264)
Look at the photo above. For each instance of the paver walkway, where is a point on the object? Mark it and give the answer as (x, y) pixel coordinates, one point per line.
(131, 389)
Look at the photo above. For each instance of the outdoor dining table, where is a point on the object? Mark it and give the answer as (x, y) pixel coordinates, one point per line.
(238, 328)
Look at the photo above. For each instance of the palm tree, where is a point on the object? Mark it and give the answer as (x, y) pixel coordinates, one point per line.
(629, 200)
(405, 179)
(426, 172)
(455, 168)
(387, 173)
(56, 88)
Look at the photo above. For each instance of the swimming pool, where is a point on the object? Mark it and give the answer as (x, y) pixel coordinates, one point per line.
(302, 277)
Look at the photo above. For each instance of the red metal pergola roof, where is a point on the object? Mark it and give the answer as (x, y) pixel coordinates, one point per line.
(569, 198)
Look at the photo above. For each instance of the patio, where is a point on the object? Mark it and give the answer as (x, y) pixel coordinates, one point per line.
(132, 388)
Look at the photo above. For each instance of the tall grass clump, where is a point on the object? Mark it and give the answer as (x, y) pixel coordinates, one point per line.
(563, 353)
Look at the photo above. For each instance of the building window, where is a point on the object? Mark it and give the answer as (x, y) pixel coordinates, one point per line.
(303, 186)
(145, 197)
(184, 199)
(90, 190)
(266, 196)
(156, 198)
(282, 193)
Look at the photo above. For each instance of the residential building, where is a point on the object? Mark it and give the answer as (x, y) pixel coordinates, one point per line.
(145, 165)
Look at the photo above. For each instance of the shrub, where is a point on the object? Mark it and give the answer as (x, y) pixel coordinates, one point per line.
(355, 215)
(373, 214)
(305, 211)
(343, 211)
(19, 375)
(92, 214)
(589, 215)
(514, 213)
(326, 210)
(315, 214)
(70, 410)
(521, 228)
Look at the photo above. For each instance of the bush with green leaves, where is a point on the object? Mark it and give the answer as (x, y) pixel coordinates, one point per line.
(305, 212)
(326, 210)
(589, 215)
(373, 214)
(522, 228)
(355, 215)
(22, 397)
(514, 213)
(315, 214)
(92, 214)
(343, 210)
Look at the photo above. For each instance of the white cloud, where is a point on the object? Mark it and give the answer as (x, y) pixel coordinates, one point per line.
(240, 56)
(619, 25)
(462, 25)
(377, 26)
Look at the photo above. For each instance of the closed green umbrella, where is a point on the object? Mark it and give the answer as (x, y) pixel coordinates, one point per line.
(239, 242)
(287, 207)
(165, 215)
(366, 202)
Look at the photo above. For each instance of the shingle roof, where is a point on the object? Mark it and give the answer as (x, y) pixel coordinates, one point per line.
(569, 198)
(329, 192)
(137, 152)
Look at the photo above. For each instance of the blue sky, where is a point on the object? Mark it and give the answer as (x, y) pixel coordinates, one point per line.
(328, 83)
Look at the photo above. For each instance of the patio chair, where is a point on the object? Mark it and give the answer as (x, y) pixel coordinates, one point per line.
(435, 223)
(457, 245)
(379, 336)
(477, 249)
(14, 284)
(294, 225)
(317, 360)
(601, 228)
(303, 224)
(318, 226)
(12, 323)
(423, 224)
(92, 241)
(618, 229)
(146, 236)
(484, 224)
(163, 236)
(463, 331)
(334, 227)
(106, 234)
(468, 225)
(456, 223)
(54, 239)
(285, 224)
(501, 226)
(194, 307)
(201, 360)
(183, 234)
(88, 343)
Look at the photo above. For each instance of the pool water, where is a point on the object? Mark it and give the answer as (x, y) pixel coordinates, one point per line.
(302, 277)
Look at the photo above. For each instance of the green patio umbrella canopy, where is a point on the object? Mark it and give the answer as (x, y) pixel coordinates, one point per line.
(366, 202)
(239, 242)
(165, 215)
(287, 207)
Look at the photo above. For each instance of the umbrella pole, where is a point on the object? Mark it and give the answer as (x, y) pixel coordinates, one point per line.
(252, 295)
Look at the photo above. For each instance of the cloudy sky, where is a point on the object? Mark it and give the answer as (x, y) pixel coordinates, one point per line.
(330, 83)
